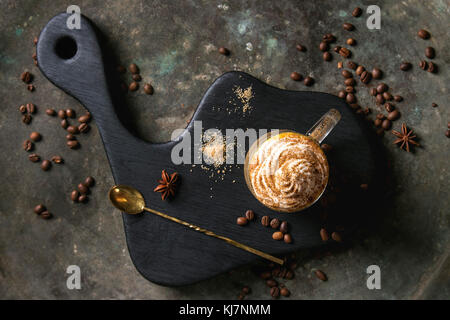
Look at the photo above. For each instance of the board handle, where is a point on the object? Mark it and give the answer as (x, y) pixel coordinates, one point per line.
(72, 60)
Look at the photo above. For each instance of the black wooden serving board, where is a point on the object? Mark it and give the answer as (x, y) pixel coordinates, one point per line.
(170, 254)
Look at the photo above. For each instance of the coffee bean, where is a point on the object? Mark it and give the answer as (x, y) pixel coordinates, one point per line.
(287, 238)
(133, 86)
(242, 221)
(271, 283)
(423, 65)
(26, 118)
(265, 275)
(89, 182)
(366, 77)
(45, 165)
(57, 159)
(432, 67)
(84, 127)
(447, 133)
(84, 189)
(70, 113)
(274, 223)
(50, 112)
(35, 136)
(405, 66)
(377, 123)
(329, 38)
(326, 147)
(275, 292)
(46, 215)
(23, 109)
(73, 144)
(398, 98)
(73, 129)
(300, 48)
(346, 74)
(351, 41)
(320, 275)
(148, 89)
(30, 87)
(250, 215)
(336, 237)
(136, 77)
(265, 221)
(389, 107)
(380, 116)
(386, 124)
(377, 73)
(340, 65)
(277, 235)
(434, 105)
(26, 77)
(387, 96)
(393, 115)
(357, 12)
(324, 234)
(424, 34)
(344, 52)
(121, 69)
(327, 56)
(430, 53)
(360, 70)
(308, 81)
(27, 145)
(289, 275)
(34, 157)
(296, 76)
(39, 209)
(382, 87)
(35, 40)
(82, 198)
(342, 94)
(323, 46)
(350, 82)
(74, 195)
(350, 98)
(284, 227)
(373, 91)
(285, 292)
(224, 51)
(31, 108)
(352, 65)
(337, 49)
(134, 69)
(70, 136)
(62, 114)
(85, 118)
(348, 26)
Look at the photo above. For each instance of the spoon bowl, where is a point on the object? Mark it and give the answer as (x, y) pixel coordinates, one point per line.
(126, 199)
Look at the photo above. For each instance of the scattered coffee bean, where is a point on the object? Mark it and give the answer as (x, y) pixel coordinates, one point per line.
(271, 283)
(28, 145)
(340, 65)
(265, 275)
(329, 38)
(344, 52)
(73, 144)
(386, 124)
(352, 65)
(133, 86)
(83, 127)
(350, 82)
(31, 108)
(324, 234)
(373, 91)
(50, 112)
(265, 221)
(387, 96)
(35, 40)
(320, 275)
(382, 87)
(287, 238)
(405, 66)
(46, 215)
(346, 74)
(134, 69)
(423, 65)
(398, 98)
(424, 34)
(34, 157)
(447, 133)
(121, 69)
(366, 77)
(35, 136)
(31, 87)
(242, 221)
(364, 186)
(136, 77)
(45, 165)
(250, 215)
(393, 115)
(74, 195)
(342, 94)
(148, 89)
(26, 77)
(64, 123)
(70, 136)
(308, 81)
(432, 67)
(39, 209)
(85, 118)
(360, 70)
(350, 98)
(84, 189)
(296, 76)
(377, 73)
(224, 51)
(289, 275)
(284, 227)
(357, 12)
(275, 292)
(351, 41)
(434, 105)
(285, 292)
(327, 56)
(323, 46)
(70, 113)
(389, 107)
(300, 48)
(275, 223)
(61, 114)
(73, 129)
(23, 109)
(82, 198)
(337, 49)
(57, 160)
(336, 237)
(89, 182)
(277, 235)
(348, 26)
(430, 53)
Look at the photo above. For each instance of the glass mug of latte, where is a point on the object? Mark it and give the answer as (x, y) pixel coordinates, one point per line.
(287, 171)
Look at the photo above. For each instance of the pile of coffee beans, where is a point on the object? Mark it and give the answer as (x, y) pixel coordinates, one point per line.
(27, 110)
(83, 189)
(27, 78)
(136, 78)
(42, 211)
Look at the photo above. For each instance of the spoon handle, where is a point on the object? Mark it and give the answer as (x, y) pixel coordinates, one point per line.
(212, 234)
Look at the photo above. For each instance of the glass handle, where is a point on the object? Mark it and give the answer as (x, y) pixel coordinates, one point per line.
(320, 130)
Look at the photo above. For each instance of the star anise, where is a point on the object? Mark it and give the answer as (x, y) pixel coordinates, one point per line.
(405, 138)
(167, 184)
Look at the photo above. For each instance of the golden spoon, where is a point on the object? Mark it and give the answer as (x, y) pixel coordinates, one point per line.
(131, 201)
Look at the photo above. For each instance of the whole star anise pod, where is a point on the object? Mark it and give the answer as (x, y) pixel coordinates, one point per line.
(167, 184)
(405, 138)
